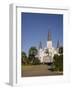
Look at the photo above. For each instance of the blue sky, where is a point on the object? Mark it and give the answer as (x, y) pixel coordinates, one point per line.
(35, 27)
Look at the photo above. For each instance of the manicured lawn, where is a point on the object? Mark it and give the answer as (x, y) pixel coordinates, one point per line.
(38, 70)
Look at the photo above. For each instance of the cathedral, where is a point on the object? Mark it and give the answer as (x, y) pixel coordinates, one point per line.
(46, 54)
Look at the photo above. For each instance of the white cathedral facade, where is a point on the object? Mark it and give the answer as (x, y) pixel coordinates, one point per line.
(46, 54)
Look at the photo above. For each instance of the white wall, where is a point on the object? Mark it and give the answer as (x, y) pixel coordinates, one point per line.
(4, 42)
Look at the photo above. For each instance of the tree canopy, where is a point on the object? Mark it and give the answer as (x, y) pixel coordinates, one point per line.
(32, 55)
(58, 60)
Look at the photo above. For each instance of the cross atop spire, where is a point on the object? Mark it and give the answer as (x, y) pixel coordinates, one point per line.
(49, 36)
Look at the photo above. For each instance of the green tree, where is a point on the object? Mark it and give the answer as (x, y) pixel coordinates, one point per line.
(33, 51)
(32, 55)
(24, 58)
(61, 50)
(61, 63)
(58, 62)
(36, 61)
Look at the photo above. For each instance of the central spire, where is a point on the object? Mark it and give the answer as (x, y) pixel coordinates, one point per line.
(49, 36)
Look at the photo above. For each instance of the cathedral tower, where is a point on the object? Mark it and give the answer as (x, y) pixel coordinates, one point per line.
(40, 52)
(49, 40)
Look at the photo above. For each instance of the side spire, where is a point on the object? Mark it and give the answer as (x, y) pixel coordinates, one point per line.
(40, 45)
(58, 44)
